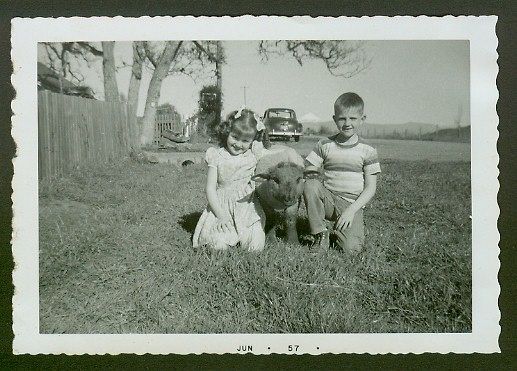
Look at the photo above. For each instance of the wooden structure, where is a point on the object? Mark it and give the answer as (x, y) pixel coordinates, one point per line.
(168, 122)
(75, 131)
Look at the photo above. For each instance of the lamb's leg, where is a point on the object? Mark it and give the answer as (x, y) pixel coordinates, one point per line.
(271, 234)
(291, 214)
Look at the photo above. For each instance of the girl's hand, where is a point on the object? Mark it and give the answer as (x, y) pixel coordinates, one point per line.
(224, 225)
(345, 220)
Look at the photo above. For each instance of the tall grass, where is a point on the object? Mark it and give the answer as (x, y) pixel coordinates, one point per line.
(116, 257)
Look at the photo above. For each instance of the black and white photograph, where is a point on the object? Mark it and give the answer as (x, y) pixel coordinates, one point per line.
(302, 186)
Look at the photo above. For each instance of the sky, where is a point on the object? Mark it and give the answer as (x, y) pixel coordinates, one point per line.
(407, 81)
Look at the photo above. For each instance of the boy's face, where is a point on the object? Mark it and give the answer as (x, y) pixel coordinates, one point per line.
(348, 120)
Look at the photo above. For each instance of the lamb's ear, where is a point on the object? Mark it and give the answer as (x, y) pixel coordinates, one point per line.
(260, 177)
(311, 174)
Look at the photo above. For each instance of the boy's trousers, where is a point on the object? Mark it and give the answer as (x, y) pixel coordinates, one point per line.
(322, 204)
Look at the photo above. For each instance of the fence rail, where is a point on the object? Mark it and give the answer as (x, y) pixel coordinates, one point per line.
(75, 131)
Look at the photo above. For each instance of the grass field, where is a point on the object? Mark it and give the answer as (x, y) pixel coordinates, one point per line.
(115, 257)
(393, 149)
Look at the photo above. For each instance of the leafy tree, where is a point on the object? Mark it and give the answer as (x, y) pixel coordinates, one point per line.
(210, 105)
(166, 108)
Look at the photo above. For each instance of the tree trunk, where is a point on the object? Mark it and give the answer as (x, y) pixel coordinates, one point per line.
(136, 75)
(108, 65)
(153, 93)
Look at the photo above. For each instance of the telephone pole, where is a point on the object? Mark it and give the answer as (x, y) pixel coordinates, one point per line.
(218, 65)
(244, 88)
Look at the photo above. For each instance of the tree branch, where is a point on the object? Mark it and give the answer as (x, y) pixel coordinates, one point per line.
(211, 57)
(149, 54)
(90, 48)
(341, 58)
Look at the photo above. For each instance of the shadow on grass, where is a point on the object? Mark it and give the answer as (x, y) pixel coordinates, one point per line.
(303, 229)
(188, 222)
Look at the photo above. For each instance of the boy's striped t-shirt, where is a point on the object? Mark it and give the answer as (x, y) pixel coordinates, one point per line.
(345, 165)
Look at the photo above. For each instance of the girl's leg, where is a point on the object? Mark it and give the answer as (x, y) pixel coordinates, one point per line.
(223, 240)
(254, 238)
(218, 246)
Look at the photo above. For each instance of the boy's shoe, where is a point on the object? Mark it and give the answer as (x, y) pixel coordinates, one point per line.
(322, 240)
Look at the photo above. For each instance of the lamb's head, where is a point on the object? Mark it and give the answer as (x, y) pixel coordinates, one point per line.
(285, 182)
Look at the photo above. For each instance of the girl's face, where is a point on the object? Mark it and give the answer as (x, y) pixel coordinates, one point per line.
(238, 143)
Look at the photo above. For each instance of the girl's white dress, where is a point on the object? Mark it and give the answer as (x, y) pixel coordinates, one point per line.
(235, 192)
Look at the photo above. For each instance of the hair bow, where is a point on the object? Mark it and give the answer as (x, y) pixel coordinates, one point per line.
(260, 124)
(239, 112)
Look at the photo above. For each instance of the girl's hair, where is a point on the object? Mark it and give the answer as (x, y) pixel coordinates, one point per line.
(245, 123)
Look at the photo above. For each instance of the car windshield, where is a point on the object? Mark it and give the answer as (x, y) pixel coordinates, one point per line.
(282, 114)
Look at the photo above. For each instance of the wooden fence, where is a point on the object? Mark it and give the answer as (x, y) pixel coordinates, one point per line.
(167, 121)
(75, 131)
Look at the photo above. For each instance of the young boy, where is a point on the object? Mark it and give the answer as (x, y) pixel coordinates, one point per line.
(350, 169)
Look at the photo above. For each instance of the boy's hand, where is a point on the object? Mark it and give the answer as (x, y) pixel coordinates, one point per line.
(345, 220)
(224, 225)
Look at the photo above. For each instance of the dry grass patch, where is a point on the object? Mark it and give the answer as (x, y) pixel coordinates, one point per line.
(116, 257)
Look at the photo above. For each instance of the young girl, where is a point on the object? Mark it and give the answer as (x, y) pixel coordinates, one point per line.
(231, 216)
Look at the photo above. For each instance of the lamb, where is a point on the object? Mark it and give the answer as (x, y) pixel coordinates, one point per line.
(281, 190)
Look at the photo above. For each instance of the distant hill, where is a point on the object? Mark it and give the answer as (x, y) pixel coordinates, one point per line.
(309, 118)
(450, 135)
(370, 130)
(408, 130)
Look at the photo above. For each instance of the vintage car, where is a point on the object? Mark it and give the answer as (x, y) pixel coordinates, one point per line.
(282, 123)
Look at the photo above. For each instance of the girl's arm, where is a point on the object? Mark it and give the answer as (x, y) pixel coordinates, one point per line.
(211, 194)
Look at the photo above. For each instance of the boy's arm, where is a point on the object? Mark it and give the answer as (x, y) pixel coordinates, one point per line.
(315, 159)
(370, 186)
(309, 166)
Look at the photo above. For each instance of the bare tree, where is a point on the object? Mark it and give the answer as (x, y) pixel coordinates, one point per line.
(108, 67)
(66, 58)
(341, 58)
(217, 57)
(191, 58)
(136, 75)
(172, 57)
(162, 63)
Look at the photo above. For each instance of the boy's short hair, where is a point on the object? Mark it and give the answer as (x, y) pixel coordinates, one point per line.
(348, 100)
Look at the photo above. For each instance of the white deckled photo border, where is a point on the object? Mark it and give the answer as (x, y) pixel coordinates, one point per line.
(479, 31)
